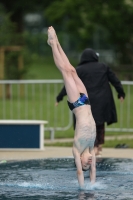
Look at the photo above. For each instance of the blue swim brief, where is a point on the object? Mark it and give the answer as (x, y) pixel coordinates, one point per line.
(83, 100)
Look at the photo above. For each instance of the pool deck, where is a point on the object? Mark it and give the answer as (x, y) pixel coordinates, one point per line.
(59, 152)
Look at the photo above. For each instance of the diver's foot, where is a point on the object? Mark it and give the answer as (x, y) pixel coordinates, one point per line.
(51, 36)
(55, 35)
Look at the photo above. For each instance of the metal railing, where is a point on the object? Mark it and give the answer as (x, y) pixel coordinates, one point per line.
(124, 110)
(35, 99)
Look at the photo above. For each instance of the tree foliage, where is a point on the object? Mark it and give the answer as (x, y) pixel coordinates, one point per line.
(10, 37)
(84, 16)
(7, 28)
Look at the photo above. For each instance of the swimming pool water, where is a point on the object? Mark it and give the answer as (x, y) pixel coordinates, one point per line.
(55, 179)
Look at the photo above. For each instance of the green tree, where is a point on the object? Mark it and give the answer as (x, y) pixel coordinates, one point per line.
(17, 9)
(10, 37)
(82, 17)
(7, 29)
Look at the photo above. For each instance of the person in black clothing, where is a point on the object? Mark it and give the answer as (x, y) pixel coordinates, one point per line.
(97, 77)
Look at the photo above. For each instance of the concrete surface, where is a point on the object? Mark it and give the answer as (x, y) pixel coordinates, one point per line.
(60, 152)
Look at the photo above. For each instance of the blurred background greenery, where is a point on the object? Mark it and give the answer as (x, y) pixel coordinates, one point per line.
(105, 26)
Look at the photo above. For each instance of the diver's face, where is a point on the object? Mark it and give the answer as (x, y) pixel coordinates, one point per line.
(86, 161)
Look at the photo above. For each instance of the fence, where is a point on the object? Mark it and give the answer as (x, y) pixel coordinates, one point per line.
(35, 99)
(124, 110)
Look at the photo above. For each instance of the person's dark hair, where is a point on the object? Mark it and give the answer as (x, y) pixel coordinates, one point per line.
(82, 167)
(85, 169)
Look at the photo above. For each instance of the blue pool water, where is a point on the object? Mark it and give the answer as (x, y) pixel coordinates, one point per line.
(55, 179)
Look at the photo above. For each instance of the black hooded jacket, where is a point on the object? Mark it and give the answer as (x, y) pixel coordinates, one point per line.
(97, 77)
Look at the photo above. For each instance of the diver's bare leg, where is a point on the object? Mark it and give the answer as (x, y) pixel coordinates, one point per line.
(78, 82)
(64, 67)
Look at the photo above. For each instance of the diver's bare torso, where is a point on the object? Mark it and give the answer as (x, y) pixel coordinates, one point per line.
(85, 131)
